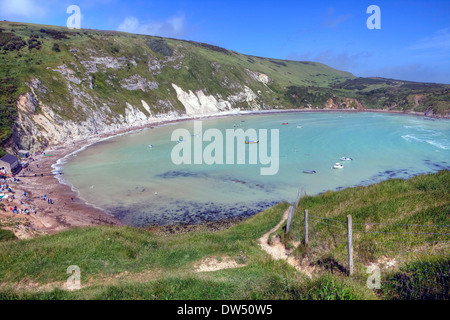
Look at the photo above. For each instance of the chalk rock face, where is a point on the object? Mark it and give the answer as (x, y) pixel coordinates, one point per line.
(34, 130)
(258, 76)
(134, 115)
(247, 96)
(138, 82)
(68, 74)
(199, 103)
(27, 102)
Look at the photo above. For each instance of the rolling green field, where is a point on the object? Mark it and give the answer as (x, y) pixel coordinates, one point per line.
(132, 263)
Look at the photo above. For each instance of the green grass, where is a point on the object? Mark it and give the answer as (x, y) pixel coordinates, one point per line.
(132, 263)
(126, 248)
(7, 235)
(397, 219)
(103, 253)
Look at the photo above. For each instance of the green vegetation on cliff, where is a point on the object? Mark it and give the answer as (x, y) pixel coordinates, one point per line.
(78, 73)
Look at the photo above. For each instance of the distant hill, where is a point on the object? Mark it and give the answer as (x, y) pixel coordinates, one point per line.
(58, 84)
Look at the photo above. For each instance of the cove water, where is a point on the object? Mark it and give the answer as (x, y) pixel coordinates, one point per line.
(142, 186)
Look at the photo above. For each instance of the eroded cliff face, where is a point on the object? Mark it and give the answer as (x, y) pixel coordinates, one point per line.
(100, 93)
(344, 103)
(39, 125)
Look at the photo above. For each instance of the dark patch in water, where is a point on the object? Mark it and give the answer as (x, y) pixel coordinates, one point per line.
(186, 212)
(437, 166)
(181, 174)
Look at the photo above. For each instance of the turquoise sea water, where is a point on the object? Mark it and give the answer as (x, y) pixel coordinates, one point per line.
(142, 186)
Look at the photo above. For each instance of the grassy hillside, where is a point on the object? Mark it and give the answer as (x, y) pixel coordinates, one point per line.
(77, 72)
(130, 263)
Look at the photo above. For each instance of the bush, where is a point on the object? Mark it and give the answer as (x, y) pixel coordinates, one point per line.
(56, 47)
(160, 46)
(421, 281)
(6, 235)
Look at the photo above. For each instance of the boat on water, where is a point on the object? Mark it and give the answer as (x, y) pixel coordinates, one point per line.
(251, 142)
(150, 146)
(285, 123)
(337, 165)
(309, 171)
(299, 127)
(346, 159)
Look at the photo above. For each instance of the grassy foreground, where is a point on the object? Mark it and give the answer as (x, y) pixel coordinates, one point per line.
(130, 263)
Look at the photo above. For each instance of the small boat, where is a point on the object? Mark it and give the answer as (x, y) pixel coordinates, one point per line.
(150, 146)
(309, 171)
(299, 127)
(285, 123)
(338, 166)
(345, 159)
(251, 142)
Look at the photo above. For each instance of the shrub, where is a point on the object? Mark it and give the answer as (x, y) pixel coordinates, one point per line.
(160, 46)
(56, 47)
(6, 235)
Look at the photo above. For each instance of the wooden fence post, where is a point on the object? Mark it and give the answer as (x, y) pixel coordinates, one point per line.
(350, 244)
(306, 227)
(290, 214)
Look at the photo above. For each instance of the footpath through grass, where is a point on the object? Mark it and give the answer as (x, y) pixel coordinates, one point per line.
(395, 228)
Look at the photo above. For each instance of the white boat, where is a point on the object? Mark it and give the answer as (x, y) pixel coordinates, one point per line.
(150, 146)
(299, 127)
(338, 166)
(345, 159)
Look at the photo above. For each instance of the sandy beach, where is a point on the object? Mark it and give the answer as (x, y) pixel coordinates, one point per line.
(67, 211)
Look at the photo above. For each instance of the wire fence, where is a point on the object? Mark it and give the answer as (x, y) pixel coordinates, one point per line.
(404, 261)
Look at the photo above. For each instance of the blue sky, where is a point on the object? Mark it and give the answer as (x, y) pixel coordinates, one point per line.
(412, 44)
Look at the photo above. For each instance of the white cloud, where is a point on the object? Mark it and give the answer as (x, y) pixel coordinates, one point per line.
(21, 8)
(172, 27)
(440, 40)
(333, 22)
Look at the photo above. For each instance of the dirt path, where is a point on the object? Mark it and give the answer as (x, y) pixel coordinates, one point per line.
(278, 251)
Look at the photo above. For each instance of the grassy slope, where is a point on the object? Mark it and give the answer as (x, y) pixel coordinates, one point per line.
(398, 219)
(163, 267)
